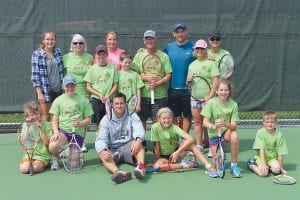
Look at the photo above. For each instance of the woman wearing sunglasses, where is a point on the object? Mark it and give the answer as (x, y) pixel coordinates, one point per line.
(76, 64)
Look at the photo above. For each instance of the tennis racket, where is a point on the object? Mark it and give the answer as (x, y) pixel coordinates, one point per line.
(283, 179)
(29, 138)
(73, 156)
(189, 163)
(132, 103)
(152, 170)
(199, 87)
(108, 109)
(220, 156)
(152, 66)
(226, 66)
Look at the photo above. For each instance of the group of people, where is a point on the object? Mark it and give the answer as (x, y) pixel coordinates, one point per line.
(73, 89)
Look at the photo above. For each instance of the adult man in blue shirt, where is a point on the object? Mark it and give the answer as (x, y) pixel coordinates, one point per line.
(181, 55)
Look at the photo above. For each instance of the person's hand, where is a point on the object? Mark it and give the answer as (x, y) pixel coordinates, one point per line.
(55, 137)
(41, 97)
(106, 155)
(220, 123)
(283, 171)
(174, 157)
(263, 169)
(75, 122)
(136, 147)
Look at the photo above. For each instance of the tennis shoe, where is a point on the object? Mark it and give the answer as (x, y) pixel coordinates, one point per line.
(64, 153)
(188, 164)
(200, 148)
(83, 148)
(235, 171)
(55, 163)
(120, 176)
(211, 171)
(209, 154)
(250, 163)
(139, 173)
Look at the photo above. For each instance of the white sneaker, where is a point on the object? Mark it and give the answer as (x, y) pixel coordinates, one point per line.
(139, 173)
(55, 163)
(209, 155)
(200, 148)
(83, 148)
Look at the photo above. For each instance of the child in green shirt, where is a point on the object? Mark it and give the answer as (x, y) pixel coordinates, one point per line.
(168, 151)
(270, 146)
(42, 156)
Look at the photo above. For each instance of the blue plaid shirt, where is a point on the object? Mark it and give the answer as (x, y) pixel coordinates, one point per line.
(39, 75)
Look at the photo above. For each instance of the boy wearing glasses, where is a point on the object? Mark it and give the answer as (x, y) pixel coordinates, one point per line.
(216, 53)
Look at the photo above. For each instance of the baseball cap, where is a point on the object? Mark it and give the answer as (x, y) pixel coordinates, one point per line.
(200, 44)
(149, 33)
(100, 48)
(218, 35)
(179, 25)
(69, 80)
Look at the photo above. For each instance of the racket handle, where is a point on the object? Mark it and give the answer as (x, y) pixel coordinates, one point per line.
(152, 96)
(219, 131)
(151, 170)
(30, 168)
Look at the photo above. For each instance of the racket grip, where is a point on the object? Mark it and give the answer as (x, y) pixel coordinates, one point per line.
(30, 169)
(152, 96)
(151, 170)
(219, 131)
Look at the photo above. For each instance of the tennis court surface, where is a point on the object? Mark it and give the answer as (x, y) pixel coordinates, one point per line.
(93, 182)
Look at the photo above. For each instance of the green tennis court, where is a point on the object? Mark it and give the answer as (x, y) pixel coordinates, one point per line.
(93, 182)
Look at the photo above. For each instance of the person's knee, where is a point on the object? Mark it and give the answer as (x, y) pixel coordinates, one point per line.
(24, 168)
(38, 167)
(234, 138)
(275, 168)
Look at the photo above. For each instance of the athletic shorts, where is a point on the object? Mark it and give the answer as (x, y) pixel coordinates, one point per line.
(149, 110)
(124, 154)
(196, 103)
(99, 110)
(215, 141)
(179, 101)
(78, 138)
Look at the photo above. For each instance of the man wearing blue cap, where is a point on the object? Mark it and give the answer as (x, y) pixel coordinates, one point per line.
(69, 110)
(181, 55)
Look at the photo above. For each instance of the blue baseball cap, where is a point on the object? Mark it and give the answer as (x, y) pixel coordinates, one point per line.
(69, 80)
(179, 25)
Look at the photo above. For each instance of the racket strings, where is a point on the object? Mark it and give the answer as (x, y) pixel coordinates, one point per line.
(73, 158)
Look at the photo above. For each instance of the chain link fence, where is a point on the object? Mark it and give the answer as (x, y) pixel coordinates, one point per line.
(10, 123)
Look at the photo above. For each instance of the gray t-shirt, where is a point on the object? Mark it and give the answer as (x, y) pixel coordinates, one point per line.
(53, 75)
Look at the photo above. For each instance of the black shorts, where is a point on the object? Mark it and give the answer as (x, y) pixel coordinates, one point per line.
(99, 110)
(149, 110)
(179, 101)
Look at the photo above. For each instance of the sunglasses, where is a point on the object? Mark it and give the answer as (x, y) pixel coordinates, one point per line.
(80, 43)
(200, 48)
(215, 39)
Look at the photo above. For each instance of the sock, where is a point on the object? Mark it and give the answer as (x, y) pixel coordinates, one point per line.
(233, 164)
(141, 166)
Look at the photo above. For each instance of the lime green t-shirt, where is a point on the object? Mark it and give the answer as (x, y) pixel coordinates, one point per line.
(214, 110)
(66, 108)
(206, 69)
(77, 66)
(102, 78)
(129, 83)
(155, 69)
(169, 139)
(274, 144)
(217, 56)
(42, 152)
